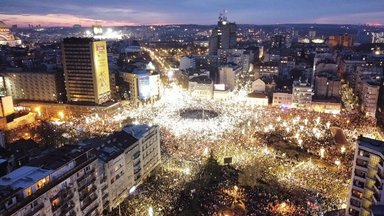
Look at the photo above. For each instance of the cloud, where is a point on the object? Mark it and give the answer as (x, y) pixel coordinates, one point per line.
(58, 20)
(352, 18)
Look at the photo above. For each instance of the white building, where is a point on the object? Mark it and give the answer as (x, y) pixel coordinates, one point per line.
(301, 94)
(282, 99)
(65, 182)
(229, 75)
(187, 62)
(201, 87)
(257, 99)
(143, 86)
(258, 86)
(83, 179)
(366, 189)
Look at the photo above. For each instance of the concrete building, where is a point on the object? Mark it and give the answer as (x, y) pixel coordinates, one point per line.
(6, 36)
(83, 179)
(258, 86)
(369, 97)
(327, 85)
(257, 99)
(86, 71)
(236, 56)
(201, 87)
(143, 85)
(302, 93)
(282, 99)
(64, 182)
(278, 42)
(229, 75)
(223, 36)
(126, 158)
(266, 69)
(366, 187)
(35, 86)
(6, 106)
(187, 62)
(340, 40)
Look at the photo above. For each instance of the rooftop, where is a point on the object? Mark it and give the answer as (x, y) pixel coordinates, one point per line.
(137, 131)
(54, 159)
(24, 177)
(107, 148)
(375, 145)
(201, 79)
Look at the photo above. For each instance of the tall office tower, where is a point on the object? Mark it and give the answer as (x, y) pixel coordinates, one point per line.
(366, 187)
(86, 70)
(223, 36)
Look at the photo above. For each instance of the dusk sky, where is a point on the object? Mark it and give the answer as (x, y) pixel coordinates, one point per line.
(119, 12)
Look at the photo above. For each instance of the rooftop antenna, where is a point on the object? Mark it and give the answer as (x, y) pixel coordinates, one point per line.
(223, 16)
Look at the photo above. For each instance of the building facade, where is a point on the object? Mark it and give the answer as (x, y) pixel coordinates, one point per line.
(282, 99)
(201, 87)
(143, 86)
(301, 94)
(223, 36)
(366, 187)
(86, 70)
(229, 76)
(33, 86)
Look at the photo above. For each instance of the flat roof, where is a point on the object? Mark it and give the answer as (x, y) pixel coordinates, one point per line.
(373, 144)
(55, 158)
(137, 131)
(24, 177)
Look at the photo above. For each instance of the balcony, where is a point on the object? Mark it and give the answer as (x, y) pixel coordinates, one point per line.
(92, 211)
(36, 209)
(358, 184)
(85, 194)
(88, 201)
(86, 183)
(85, 175)
(360, 174)
(355, 203)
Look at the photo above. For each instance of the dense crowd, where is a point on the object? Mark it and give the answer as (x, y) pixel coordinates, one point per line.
(294, 149)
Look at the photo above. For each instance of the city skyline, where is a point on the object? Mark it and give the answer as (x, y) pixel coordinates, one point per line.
(118, 13)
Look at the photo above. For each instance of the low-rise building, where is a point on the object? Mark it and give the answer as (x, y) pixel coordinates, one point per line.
(201, 87)
(144, 86)
(282, 99)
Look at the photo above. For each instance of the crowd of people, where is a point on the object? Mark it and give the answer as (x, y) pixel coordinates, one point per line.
(294, 148)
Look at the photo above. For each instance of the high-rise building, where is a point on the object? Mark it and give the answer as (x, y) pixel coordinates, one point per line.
(223, 36)
(367, 175)
(86, 70)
